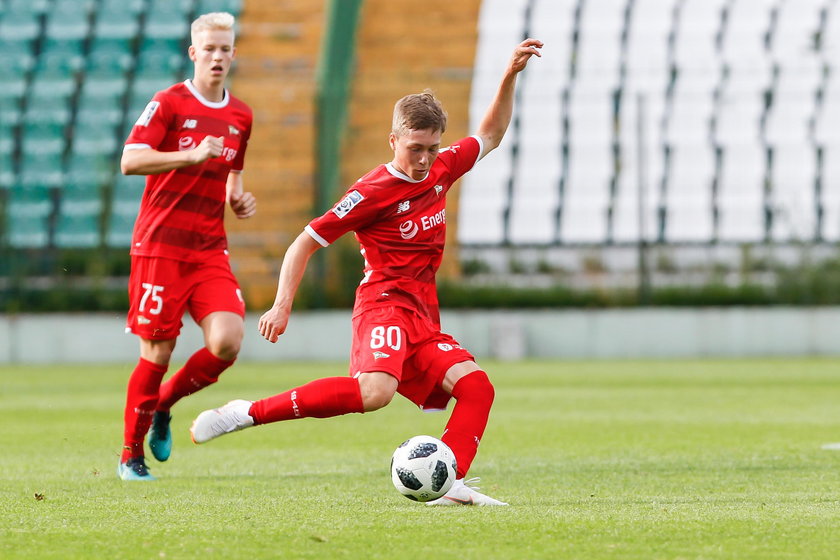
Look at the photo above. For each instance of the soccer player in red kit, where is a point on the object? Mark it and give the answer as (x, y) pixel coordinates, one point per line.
(190, 142)
(398, 213)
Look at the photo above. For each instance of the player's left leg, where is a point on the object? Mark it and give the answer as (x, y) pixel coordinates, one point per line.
(473, 394)
(223, 332)
(216, 304)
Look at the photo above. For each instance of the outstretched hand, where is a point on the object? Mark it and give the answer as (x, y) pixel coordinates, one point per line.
(523, 52)
(273, 323)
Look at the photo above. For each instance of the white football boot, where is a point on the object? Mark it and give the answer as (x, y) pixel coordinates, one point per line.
(231, 417)
(463, 495)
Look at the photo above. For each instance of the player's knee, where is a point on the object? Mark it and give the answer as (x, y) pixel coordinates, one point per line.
(225, 348)
(377, 391)
(476, 385)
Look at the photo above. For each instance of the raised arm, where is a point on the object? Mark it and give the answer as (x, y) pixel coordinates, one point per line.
(148, 161)
(497, 118)
(273, 322)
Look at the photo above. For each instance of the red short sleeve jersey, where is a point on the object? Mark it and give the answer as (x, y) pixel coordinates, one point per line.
(182, 211)
(401, 227)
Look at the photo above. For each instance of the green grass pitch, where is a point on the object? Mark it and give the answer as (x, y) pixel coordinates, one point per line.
(642, 459)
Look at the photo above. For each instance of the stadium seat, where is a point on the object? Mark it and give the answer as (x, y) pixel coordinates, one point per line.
(741, 105)
(7, 171)
(688, 194)
(68, 24)
(743, 38)
(167, 20)
(205, 6)
(81, 198)
(484, 199)
(118, 21)
(586, 195)
(793, 102)
(29, 202)
(19, 26)
(30, 7)
(90, 138)
(91, 168)
(48, 111)
(125, 205)
(796, 26)
(697, 26)
(830, 193)
(77, 231)
(740, 193)
(40, 169)
(598, 50)
(793, 202)
(43, 138)
(27, 232)
(161, 63)
(119, 230)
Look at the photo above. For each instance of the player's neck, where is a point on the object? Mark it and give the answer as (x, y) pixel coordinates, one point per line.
(211, 91)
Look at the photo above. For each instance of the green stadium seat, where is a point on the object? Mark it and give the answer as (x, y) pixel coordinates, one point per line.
(10, 110)
(99, 109)
(67, 24)
(77, 231)
(231, 6)
(90, 138)
(29, 7)
(119, 230)
(81, 198)
(159, 62)
(27, 233)
(29, 202)
(8, 137)
(167, 24)
(64, 49)
(40, 169)
(47, 111)
(20, 26)
(7, 171)
(43, 138)
(91, 168)
(20, 56)
(174, 7)
(129, 7)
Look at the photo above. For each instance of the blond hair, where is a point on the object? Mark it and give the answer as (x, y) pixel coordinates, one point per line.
(213, 20)
(418, 111)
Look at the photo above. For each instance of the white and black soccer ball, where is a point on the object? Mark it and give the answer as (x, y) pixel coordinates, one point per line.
(423, 468)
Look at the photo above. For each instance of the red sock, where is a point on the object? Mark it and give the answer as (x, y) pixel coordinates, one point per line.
(473, 394)
(201, 370)
(141, 399)
(322, 398)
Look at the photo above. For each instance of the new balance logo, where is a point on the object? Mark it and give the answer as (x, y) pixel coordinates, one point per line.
(403, 207)
(190, 123)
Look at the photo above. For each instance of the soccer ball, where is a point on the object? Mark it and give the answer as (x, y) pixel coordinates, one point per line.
(423, 468)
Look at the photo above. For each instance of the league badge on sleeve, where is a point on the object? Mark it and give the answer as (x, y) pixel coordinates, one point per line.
(347, 203)
(148, 113)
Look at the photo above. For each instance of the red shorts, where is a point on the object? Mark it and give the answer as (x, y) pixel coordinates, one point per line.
(160, 291)
(397, 341)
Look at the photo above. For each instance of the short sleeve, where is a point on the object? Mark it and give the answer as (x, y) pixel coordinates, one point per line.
(151, 127)
(356, 209)
(461, 156)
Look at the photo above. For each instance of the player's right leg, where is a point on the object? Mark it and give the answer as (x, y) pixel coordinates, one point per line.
(141, 400)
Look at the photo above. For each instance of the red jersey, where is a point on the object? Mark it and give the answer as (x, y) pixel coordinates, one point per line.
(182, 211)
(400, 224)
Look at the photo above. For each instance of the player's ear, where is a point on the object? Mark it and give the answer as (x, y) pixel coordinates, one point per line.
(392, 140)
(191, 52)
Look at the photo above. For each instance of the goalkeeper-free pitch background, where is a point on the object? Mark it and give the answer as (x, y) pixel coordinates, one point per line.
(644, 459)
